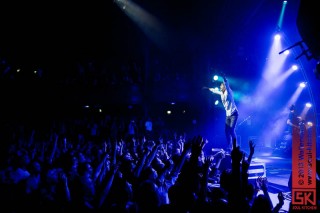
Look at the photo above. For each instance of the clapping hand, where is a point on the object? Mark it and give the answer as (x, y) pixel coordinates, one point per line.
(262, 183)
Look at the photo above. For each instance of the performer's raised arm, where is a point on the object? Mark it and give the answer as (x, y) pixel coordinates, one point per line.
(213, 90)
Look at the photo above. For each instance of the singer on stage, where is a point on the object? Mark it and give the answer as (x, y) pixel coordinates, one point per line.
(231, 109)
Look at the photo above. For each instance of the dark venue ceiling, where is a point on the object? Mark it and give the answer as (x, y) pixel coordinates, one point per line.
(197, 36)
(47, 32)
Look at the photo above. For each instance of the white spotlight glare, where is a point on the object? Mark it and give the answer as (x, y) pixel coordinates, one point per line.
(308, 105)
(287, 52)
(215, 77)
(277, 37)
(310, 124)
(303, 84)
(216, 102)
(294, 67)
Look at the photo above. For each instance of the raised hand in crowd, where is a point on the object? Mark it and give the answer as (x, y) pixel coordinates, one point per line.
(262, 183)
(236, 153)
(280, 203)
(252, 146)
(197, 145)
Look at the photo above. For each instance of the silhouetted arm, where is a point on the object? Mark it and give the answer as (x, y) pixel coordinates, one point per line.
(280, 204)
(263, 182)
(251, 145)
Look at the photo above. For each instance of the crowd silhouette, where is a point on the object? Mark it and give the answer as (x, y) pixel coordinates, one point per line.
(93, 165)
